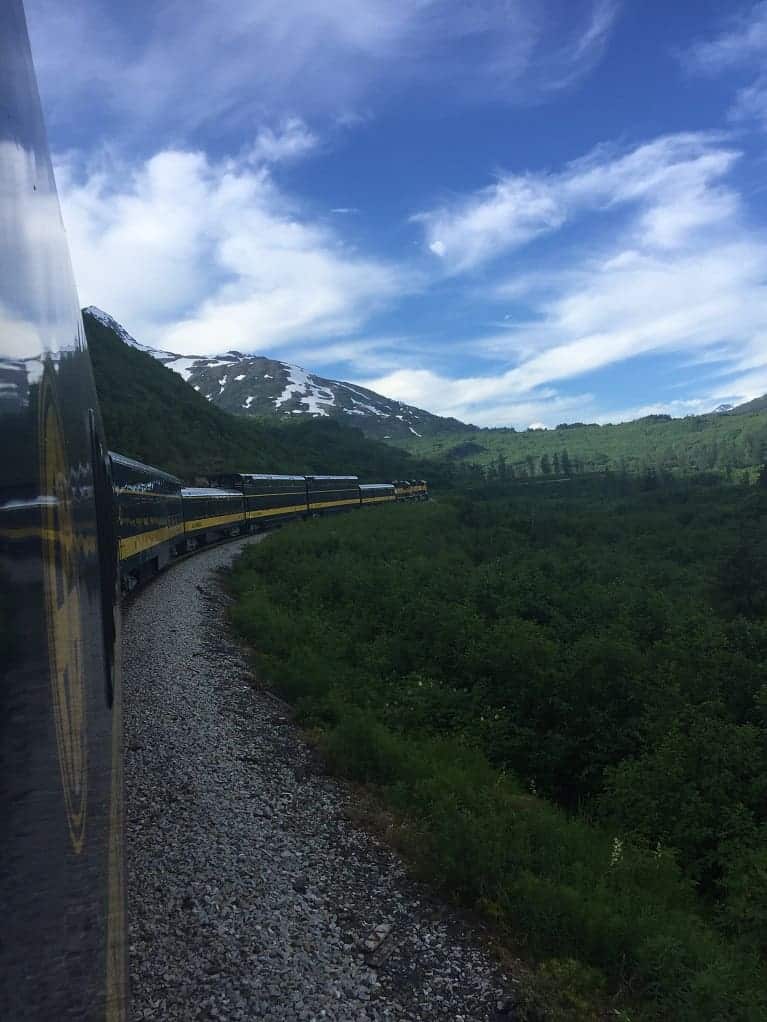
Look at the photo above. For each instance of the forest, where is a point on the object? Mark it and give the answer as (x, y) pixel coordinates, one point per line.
(730, 444)
(560, 693)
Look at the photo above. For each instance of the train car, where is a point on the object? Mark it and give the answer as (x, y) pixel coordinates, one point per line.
(211, 514)
(377, 493)
(332, 493)
(150, 520)
(62, 951)
(268, 498)
(402, 489)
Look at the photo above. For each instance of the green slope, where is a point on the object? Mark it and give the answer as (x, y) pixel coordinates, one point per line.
(718, 443)
(759, 404)
(151, 414)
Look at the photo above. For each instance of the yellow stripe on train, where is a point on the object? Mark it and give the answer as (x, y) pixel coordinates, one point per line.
(210, 523)
(332, 503)
(132, 545)
(264, 512)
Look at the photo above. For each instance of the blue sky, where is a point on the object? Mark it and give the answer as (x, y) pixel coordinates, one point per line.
(512, 212)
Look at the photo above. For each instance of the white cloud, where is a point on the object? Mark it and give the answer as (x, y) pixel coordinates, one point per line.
(681, 271)
(742, 45)
(291, 142)
(744, 40)
(182, 73)
(366, 355)
(612, 310)
(671, 179)
(195, 255)
(751, 102)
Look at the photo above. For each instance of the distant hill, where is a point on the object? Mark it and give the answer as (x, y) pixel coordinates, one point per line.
(759, 404)
(150, 413)
(255, 386)
(720, 442)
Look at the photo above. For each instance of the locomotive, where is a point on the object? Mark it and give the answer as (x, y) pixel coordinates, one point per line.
(76, 524)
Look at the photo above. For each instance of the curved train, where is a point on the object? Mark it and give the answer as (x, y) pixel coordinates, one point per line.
(157, 518)
(76, 525)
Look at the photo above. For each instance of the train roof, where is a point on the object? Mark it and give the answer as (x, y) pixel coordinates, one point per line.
(139, 466)
(345, 478)
(208, 491)
(376, 486)
(261, 475)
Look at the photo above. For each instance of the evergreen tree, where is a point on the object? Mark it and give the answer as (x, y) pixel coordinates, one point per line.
(566, 466)
(545, 465)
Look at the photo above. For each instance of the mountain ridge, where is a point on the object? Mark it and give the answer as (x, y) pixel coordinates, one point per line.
(149, 413)
(258, 386)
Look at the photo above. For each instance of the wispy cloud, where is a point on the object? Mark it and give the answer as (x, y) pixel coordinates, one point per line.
(206, 256)
(743, 40)
(291, 141)
(740, 46)
(680, 272)
(670, 180)
(751, 102)
(220, 73)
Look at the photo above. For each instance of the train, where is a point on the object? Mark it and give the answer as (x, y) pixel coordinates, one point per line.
(158, 519)
(78, 526)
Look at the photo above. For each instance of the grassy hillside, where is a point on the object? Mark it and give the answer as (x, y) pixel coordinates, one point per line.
(719, 443)
(151, 414)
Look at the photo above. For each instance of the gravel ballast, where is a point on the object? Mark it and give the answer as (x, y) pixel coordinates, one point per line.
(251, 894)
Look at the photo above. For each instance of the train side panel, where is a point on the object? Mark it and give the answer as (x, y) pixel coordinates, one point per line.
(62, 949)
(149, 517)
(332, 493)
(211, 514)
(268, 498)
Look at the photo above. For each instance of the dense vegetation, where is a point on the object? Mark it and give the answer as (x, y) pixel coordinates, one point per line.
(151, 414)
(561, 690)
(725, 443)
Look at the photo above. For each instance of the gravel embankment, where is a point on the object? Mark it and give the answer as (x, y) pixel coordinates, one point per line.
(251, 894)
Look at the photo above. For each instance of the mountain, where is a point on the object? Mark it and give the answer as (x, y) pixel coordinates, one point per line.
(151, 414)
(257, 386)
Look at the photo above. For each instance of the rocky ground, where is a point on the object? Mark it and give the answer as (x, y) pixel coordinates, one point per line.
(252, 895)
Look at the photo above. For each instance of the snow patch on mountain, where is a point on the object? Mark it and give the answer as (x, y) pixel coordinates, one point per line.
(314, 397)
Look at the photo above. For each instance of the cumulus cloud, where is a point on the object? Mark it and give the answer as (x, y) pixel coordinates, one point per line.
(203, 256)
(207, 71)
